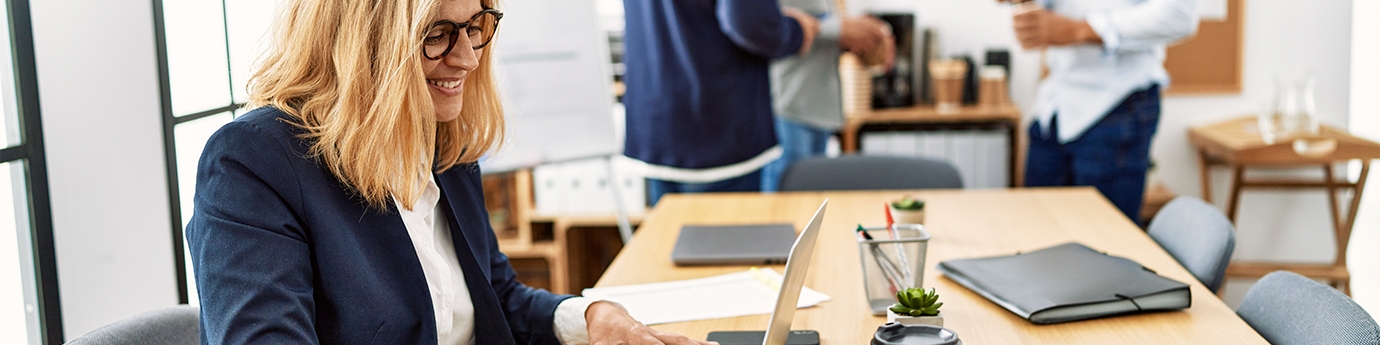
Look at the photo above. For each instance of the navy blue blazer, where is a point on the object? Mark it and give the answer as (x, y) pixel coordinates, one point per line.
(699, 95)
(285, 254)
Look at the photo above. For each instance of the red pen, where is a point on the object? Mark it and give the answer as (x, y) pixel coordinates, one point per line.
(889, 222)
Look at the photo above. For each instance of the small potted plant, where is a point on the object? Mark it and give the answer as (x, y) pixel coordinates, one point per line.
(914, 306)
(908, 210)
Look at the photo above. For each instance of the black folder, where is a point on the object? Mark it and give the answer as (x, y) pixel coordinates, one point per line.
(1068, 282)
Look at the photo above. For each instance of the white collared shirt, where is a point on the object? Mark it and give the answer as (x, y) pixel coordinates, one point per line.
(450, 297)
(1087, 81)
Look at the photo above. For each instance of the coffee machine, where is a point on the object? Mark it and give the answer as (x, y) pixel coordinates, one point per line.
(897, 87)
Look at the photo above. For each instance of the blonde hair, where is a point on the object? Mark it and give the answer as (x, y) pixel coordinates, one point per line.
(349, 73)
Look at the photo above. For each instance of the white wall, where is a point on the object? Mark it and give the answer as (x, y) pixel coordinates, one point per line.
(98, 84)
(1280, 37)
(1362, 258)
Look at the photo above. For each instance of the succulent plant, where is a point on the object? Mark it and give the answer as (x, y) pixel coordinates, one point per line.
(917, 302)
(908, 203)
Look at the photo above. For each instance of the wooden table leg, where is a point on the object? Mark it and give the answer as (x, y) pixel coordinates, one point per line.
(1343, 229)
(1205, 176)
(1017, 155)
(1329, 180)
(850, 138)
(560, 257)
(1233, 201)
(1336, 219)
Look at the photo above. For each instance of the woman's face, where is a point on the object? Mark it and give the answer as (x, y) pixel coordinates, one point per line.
(445, 77)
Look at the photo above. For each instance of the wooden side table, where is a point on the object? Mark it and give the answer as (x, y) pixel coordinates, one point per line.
(1238, 144)
(926, 117)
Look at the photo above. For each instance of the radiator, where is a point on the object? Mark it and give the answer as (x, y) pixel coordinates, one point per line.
(981, 156)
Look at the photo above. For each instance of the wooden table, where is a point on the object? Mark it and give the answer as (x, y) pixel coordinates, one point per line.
(926, 117)
(1237, 143)
(962, 224)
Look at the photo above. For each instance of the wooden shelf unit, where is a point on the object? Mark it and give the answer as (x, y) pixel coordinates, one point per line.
(927, 117)
(510, 196)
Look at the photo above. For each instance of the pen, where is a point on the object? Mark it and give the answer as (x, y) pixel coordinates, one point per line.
(888, 268)
(889, 222)
(863, 231)
(906, 273)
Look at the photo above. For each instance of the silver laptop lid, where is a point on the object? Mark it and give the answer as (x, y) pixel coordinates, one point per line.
(797, 264)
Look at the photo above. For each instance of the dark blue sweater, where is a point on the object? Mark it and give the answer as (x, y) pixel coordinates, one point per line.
(698, 91)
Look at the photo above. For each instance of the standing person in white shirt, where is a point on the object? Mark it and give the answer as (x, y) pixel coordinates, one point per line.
(1098, 109)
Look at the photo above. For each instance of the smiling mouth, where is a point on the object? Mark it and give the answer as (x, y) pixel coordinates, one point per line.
(445, 84)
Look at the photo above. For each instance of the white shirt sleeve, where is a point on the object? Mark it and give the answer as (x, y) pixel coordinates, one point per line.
(1145, 26)
(569, 321)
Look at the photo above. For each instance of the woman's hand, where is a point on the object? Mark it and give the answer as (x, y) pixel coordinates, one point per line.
(610, 324)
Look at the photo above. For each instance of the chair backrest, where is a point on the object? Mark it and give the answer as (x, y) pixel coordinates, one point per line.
(177, 325)
(1287, 308)
(869, 172)
(1197, 235)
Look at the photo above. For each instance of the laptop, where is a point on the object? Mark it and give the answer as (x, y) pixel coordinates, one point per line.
(779, 325)
(753, 244)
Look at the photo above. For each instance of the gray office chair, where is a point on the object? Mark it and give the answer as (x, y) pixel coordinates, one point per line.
(1197, 235)
(1287, 308)
(179, 325)
(869, 172)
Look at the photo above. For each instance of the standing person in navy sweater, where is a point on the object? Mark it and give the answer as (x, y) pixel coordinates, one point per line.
(699, 113)
(347, 208)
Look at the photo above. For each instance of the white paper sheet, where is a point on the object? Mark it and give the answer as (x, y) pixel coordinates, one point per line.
(729, 295)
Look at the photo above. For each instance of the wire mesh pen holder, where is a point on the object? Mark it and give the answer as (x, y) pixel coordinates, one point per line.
(892, 263)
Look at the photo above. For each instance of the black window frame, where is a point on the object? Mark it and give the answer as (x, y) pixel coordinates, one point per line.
(170, 123)
(30, 153)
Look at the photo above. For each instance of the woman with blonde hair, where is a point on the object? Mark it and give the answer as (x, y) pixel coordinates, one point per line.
(346, 208)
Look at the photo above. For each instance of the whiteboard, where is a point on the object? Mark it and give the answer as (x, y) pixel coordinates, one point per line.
(553, 68)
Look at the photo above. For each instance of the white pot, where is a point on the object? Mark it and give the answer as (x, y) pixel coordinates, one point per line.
(908, 216)
(937, 320)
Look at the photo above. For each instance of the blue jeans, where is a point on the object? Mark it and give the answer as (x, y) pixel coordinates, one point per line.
(1113, 155)
(798, 141)
(751, 182)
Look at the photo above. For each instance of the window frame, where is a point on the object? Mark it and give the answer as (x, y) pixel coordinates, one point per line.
(170, 123)
(31, 155)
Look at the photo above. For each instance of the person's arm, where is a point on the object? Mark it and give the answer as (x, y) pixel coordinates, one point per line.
(581, 321)
(530, 312)
(862, 34)
(1037, 27)
(252, 261)
(762, 28)
(1147, 25)
(541, 317)
(1144, 26)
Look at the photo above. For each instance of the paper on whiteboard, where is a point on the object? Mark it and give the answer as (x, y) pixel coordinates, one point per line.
(729, 295)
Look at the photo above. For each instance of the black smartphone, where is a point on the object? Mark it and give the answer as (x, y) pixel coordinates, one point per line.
(802, 337)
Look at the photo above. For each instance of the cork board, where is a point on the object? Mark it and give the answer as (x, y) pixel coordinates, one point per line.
(1210, 62)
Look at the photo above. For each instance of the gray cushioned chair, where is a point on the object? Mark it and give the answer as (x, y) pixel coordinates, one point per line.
(1197, 235)
(1287, 308)
(179, 325)
(869, 172)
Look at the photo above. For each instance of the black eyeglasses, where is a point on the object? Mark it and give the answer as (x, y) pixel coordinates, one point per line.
(442, 35)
